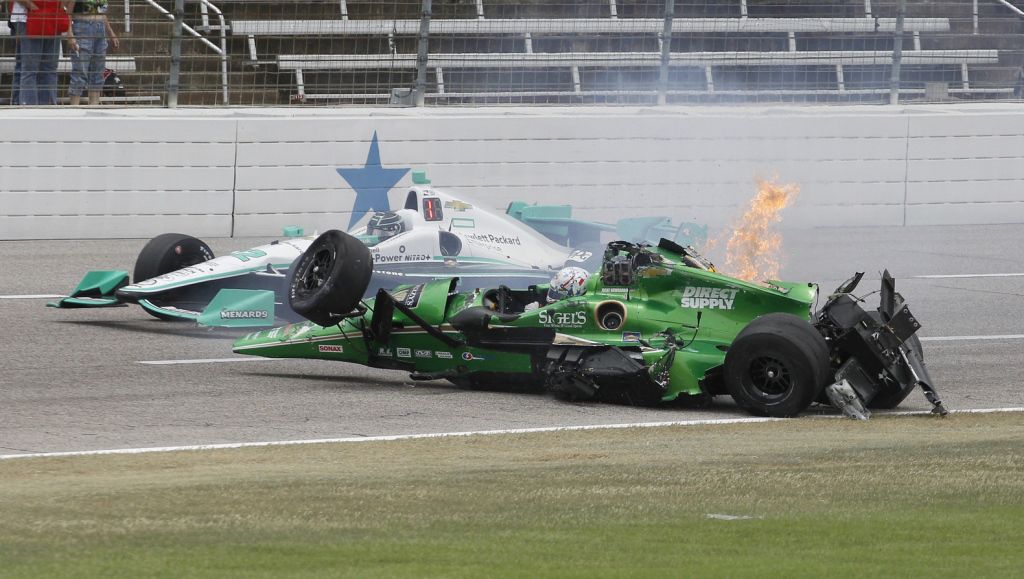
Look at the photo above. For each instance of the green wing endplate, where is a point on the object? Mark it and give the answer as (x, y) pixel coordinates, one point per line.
(96, 290)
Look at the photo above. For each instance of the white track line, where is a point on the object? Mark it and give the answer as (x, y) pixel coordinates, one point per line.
(959, 338)
(31, 297)
(711, 421)
(204, 361)
(968, 275)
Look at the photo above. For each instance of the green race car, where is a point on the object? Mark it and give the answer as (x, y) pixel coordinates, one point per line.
(655, 324)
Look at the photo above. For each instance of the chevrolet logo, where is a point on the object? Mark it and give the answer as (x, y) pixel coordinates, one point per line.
(457, 205)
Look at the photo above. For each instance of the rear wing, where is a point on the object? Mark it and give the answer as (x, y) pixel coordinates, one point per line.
(556, 223)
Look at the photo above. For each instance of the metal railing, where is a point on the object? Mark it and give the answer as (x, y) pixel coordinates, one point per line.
(222, 50)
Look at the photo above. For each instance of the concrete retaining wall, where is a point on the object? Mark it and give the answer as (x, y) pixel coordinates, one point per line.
(97, 174)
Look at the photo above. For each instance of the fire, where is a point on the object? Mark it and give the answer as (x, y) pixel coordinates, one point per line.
(752, 250)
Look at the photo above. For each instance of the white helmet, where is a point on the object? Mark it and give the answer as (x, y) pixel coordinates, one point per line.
(568, 282)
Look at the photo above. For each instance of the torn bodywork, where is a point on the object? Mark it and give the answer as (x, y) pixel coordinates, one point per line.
(653, 324)
(875, 352)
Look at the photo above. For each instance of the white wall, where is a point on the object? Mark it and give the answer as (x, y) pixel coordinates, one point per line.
(136, 173)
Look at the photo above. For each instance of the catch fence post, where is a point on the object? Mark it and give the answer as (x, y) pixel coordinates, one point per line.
(421, 54)
(174, 74)
(666, 51)
(897, 54)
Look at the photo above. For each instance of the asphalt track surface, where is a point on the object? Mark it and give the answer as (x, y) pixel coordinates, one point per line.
(72, 380)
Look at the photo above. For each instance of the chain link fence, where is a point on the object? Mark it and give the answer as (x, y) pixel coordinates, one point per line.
(481, 52)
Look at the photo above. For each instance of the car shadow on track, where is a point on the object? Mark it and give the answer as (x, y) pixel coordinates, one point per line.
(396, 382)
(399, 383)
(156, 327)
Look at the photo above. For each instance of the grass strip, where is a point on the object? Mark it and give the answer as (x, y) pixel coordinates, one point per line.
(897, 496)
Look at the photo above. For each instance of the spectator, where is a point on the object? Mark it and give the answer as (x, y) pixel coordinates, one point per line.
(18, 10)
(90, 29)
(40, 50)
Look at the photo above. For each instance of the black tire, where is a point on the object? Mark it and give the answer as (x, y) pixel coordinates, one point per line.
(281, 294)
(891, 399)
(330, 278)
(776, 366)
(166, 253)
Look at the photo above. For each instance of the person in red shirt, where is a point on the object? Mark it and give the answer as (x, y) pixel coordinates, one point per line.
(40, 47)
(18, 10)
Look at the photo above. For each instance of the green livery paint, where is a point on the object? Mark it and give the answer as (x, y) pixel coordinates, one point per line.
(248, 254)
(654, 324)
(239, 308)
(168, 312)
(96, 290)
(494, 336)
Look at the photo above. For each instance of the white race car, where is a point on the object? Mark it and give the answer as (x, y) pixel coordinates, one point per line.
(435, 234)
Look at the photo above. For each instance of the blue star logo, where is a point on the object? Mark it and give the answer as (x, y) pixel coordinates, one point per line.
(371, 182)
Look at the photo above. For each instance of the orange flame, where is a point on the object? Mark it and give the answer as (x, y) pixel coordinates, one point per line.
(752, 250)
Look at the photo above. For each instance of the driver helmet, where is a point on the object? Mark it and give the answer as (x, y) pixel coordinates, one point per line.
(385, 224)
(568, 282)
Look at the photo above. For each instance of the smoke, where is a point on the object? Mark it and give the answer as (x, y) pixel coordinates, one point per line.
(753, 249)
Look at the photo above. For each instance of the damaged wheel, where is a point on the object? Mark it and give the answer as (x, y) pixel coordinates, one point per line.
(330, 278)
(776, 366)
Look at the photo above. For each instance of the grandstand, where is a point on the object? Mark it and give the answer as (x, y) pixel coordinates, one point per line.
(589, 51)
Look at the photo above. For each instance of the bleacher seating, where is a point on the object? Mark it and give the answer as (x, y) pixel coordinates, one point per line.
(569, 52)
(779, 44)
(578, 26)
(118, 63)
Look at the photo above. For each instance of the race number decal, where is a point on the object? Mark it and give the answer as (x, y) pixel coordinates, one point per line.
(579, 256)
(248, 254)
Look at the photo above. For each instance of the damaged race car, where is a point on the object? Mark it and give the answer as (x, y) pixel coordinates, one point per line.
(655, 324)
(436, 234)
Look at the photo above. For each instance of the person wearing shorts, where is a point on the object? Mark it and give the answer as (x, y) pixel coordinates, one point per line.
(90, 31)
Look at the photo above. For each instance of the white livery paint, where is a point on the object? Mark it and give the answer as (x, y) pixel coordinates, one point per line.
(466, 233)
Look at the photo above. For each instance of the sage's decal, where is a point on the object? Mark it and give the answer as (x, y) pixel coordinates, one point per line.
(562, 319)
